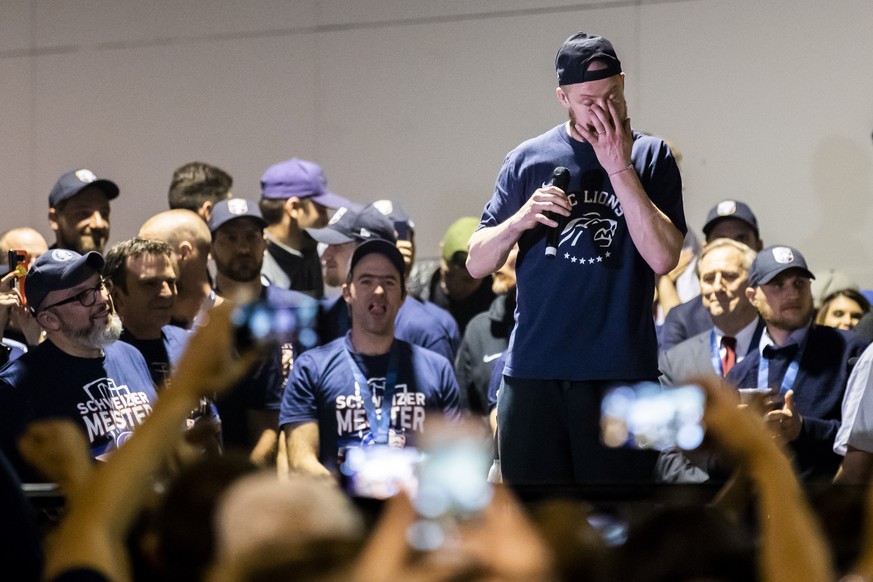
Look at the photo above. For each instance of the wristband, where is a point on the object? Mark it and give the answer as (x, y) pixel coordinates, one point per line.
(630, 166)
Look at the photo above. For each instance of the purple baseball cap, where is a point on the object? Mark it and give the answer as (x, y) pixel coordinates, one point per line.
(300, 178)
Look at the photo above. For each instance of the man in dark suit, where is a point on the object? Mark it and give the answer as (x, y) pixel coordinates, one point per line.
(734, 326)
(728, 219)
(806, 364)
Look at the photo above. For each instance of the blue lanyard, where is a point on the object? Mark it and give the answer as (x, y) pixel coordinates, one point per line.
(716, 356)
(790, 374)
(378, 418)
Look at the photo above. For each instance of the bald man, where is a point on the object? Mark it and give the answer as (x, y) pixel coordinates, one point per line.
(190, 241)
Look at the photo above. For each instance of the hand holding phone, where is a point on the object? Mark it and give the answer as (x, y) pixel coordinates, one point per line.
(18, 260)
(649, 416)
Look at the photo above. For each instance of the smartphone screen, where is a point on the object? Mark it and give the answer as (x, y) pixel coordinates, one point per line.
(649, 416)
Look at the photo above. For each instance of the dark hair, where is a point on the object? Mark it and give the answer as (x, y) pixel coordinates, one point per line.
(116, 258)
(272, 209)
(851, 294)
(686, 542)
(196, 183)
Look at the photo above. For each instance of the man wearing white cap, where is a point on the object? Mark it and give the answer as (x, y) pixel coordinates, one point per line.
(804, 365)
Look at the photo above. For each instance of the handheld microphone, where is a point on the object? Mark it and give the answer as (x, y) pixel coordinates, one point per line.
(560, 179)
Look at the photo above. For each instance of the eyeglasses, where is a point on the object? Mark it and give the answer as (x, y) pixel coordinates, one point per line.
(87, 297)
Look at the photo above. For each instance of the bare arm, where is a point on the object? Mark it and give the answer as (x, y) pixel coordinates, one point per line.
(303, 443)
(656, 238)
(792, 545)
(264, 427)
(856, 468)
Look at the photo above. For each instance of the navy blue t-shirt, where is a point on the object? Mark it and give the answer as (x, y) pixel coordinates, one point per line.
(107, 396)
(321, 388)
(587, 313)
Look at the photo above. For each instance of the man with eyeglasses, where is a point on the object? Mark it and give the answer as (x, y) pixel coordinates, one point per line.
(80, 371)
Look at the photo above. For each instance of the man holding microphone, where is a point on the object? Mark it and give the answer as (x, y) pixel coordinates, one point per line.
(583, 316)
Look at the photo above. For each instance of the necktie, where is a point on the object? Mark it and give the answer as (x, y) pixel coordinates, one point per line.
(730, 354)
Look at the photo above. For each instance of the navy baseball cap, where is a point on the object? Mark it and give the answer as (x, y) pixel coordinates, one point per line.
(56, 270)
(576, 55)
(774, 260)
(350, 224)
(74, 182)
(730, 209)
(396, 214)
(383, 247)
(234, 208)
(300, 178)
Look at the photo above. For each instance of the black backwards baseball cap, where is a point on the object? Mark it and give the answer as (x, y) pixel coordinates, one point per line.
(383, 247)
(75, 181)
(56, 270)
(576, 55)
(301, 179)
(730, 209)
(355, 224)
(774, 260)
(234, 208)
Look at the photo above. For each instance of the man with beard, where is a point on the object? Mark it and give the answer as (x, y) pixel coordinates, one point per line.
(805, 364)
(250, 410)
(79, 211)
(294, 197)
(80, 371)
(583, 314)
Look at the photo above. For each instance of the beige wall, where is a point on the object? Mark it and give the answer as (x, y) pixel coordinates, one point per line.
(419, 100)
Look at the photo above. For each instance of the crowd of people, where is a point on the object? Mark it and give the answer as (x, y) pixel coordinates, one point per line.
(193, 437)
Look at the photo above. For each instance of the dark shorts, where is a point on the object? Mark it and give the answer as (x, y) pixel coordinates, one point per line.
(549, 432)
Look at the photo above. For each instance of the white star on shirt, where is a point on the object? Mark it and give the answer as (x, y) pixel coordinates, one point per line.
(566, 255)
(573, 260)
(599, 259)
(606, 254)
(590, 261)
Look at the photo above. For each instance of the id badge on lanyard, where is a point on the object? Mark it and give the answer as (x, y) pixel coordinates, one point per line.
(379, 417)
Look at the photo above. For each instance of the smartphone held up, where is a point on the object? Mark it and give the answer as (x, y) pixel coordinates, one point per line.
(649, 416)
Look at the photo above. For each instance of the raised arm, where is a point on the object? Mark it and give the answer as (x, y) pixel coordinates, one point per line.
(655, 236)
(93, 533)
(792, 545)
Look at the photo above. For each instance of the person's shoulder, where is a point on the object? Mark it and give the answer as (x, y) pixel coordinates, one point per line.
(535, 145)
(318, 355)
(280, 296)
(424, 355)
(690, 344)
(653, 143)
(479, 323)
(849, 340)
(175, 333)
